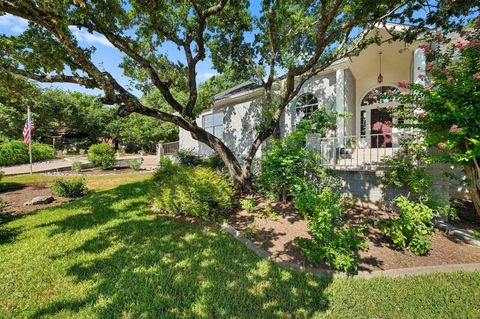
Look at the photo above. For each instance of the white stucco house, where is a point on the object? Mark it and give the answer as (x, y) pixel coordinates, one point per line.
(348, 86)
(361, 141)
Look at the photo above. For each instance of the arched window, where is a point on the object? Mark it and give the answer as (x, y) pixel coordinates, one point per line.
(304, 107)
(381, 94)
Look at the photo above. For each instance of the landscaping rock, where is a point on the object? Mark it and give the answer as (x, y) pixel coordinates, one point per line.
(39, 200)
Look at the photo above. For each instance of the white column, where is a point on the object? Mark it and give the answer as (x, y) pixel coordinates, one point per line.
(340, 104)
(419, 63)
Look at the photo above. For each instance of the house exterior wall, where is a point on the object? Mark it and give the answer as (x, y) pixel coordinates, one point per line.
(323, 87)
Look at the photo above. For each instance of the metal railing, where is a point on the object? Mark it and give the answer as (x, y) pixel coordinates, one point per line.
(365, 152)
(167, 149)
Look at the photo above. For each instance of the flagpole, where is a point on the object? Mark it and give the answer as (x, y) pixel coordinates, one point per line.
(29, 119)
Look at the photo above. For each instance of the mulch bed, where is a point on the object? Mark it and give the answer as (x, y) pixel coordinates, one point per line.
(16, 197)
(278, 237)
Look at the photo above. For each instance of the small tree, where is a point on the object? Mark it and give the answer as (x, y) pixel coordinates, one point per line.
(446, 110)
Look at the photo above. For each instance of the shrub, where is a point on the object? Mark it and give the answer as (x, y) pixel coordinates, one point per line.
(193, 191)
(101, 155)
(16, 152)
(2, 173)
(77, 166)
(411, 231)
(3, 206)
(214, 162)
(134, 164)
(189, 158)
(331, 241)
(69, 188)
(249, 204)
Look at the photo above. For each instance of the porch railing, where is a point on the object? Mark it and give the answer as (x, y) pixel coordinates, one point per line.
(167, 149)
(365, 152)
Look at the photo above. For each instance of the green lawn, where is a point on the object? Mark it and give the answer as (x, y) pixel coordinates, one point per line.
(107, 256)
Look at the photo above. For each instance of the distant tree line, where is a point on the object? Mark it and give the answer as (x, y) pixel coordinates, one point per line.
(77, 118)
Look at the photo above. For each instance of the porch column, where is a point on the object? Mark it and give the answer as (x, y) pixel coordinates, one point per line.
(340, 105)
(419, 64)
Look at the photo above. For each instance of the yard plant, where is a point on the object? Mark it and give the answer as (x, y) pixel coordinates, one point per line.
(193, 191)
(414, 227)
(331, 241)
(16, 152)
(71, 188)
(102, 156)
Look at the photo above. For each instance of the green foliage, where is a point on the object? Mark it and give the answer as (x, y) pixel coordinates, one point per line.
(249, 204)
(77, 166)
(16, 152)
(134, 164)
(193, 191)
(411, 231)
(405, 171)
(3, 206)
(71, 188)
(288, 167)
(332, 242)
(189, 158)
(101, 155)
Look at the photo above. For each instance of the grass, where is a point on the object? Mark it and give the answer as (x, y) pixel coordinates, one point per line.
(108, 256)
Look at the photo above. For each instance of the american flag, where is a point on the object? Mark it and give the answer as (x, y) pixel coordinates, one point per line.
(26, 136)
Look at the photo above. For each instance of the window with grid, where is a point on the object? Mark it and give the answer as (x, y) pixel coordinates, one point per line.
(213, 123)
(304, 107)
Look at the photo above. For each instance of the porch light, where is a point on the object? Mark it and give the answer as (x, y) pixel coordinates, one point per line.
(380, 76)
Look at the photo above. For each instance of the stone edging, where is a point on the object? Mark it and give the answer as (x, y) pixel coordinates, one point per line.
(326, 273)
(457, 232)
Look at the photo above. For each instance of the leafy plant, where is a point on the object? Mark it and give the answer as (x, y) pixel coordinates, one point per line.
(332, 241)
(193, 191)
(72, 188)
(248, 204)
(16, 152)
(134, 164)
(476, 234)
(189, 158)
(77, 166)
(3, 206)
(269, 212)
(101, 155)
(412, 230)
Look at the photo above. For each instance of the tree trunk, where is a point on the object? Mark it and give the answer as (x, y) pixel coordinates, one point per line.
(472, 172)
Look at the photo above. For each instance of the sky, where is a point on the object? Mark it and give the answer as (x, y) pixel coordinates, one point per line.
(106, 56)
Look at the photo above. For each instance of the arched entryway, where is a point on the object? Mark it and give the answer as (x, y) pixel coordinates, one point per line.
(375, 122)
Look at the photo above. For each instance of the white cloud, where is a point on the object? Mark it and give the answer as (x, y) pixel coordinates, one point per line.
(83, 35)
(206, 75)
(13, 24)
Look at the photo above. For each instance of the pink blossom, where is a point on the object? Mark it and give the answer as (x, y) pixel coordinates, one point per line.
(474, 43)
(477, 75)
(421, 76)
(461, 43)
(455, 128)
(449, 79)
(429, 66)
(373, 96)
(426, 49)
(403, 84)
(465, 33)
(426, 89)
(440, 38)
(422, 114)
(447, 69)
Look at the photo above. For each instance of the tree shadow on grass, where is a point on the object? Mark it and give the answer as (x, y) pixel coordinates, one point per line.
(157, 266)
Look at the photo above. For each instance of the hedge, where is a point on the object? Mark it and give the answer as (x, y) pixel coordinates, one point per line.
(16, 152)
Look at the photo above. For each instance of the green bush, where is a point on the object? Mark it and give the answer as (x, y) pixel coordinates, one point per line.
(412, 230)
(77, 166)
(249, 204)
(189, 158)
(16, 152)
(331, 242)
(134, 164)
(69, 188)
(193, 191)
(102, 156)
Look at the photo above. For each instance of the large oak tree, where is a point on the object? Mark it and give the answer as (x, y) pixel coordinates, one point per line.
(297, 38)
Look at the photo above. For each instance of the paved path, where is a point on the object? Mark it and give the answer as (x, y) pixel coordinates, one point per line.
(149, 162)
